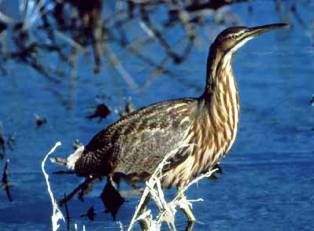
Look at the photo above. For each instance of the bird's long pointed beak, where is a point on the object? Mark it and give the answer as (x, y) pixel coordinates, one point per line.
(254, 31)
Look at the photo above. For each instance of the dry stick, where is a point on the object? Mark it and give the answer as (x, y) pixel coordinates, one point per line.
(179, 200)
(159, 69)
(70, 41)
(6, 19)
(144, 196)
(32, 12)
(138, 208)
(56, 213)
(155, 73)
(167, 213)
(150, 184)
(119, 67)
(200, 177)
(166, 210)
(134, 48)
(162, 69)
(184, 18)
(120, 225)
(154, 32)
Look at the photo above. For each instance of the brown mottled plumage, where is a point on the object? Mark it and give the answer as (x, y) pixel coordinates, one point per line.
(200, 130)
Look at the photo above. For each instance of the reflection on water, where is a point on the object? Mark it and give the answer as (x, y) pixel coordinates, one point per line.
(268, 181)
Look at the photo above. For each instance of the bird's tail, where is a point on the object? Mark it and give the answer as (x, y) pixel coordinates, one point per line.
(84, 163)
(69, 162)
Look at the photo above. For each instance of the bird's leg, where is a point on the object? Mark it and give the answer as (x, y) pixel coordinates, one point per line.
(186, 208)
(79, 188)
(144, 223)
(218, 169)
(189, 226)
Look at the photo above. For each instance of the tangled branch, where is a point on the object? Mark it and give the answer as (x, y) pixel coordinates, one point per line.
(166, 209)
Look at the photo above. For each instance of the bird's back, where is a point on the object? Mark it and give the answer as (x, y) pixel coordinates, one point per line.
(134, 145)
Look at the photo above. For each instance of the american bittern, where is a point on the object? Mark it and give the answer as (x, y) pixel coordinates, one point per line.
(200, 131)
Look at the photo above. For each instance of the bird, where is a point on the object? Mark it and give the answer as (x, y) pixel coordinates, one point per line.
(199, 131)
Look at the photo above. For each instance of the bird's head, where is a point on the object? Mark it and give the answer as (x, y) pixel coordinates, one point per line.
(232, 38)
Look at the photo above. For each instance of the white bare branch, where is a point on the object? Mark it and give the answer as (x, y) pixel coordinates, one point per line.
(56, 212)
(167, 210)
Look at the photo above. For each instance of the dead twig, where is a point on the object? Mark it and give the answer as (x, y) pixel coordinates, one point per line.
(167, 209)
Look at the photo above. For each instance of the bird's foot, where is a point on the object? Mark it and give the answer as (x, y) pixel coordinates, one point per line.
(219, 171)
(186, 206)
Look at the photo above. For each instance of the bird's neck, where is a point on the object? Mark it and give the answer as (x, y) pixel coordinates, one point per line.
(220, 96)
(220, 80)
(220, 101)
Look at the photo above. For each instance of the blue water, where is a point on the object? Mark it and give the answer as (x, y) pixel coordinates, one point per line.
(268, 180)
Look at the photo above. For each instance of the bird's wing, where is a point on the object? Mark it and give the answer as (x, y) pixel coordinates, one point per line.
(137, 143)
